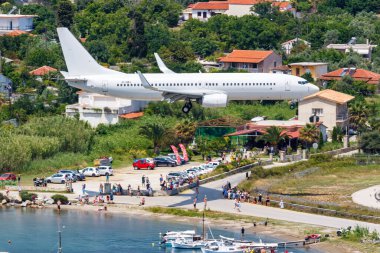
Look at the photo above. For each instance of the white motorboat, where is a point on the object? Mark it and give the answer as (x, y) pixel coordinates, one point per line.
(182, 243)
(171, 236)
(223, 249)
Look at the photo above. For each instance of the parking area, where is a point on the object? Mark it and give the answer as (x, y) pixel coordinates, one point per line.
(128, 176)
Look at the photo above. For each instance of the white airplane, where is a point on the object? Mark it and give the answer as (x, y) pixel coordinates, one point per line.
(208, 89)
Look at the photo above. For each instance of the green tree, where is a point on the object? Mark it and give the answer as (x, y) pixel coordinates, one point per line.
(274, 135)
(337, 134)
(359, 114)
(309, 134)
(369, 142)
(65, 13)
(157, 132)
(185, 131)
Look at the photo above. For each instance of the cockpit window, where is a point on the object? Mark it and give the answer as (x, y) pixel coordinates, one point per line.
(302, 82)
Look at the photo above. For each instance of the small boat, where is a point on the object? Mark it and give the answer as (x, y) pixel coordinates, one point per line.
(182, 243)
(171, 236)
(222, 247)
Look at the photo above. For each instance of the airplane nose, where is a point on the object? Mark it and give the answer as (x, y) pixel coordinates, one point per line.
(313, 88)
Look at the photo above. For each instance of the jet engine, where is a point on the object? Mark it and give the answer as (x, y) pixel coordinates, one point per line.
(214, 100)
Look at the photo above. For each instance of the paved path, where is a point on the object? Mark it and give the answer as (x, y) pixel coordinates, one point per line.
(367, 197)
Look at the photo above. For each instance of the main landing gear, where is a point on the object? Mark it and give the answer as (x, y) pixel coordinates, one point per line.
(187, 107)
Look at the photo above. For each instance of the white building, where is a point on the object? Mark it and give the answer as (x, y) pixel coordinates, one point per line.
(99, 109)
(240, 8)
(11, 22)
(288, 45)
(364, 50)
(205, 10)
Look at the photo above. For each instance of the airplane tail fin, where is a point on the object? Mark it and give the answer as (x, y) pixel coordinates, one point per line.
(78, 60)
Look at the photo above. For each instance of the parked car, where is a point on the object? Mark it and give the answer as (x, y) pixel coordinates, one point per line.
(90, 172)
(164, 162)
(77, 175)
(192, 172)
(173, 176)
(69, 172)
(105, 170)
(144, 163)
(172, 156)
(8, 177)
(39, 182)
(59, 178)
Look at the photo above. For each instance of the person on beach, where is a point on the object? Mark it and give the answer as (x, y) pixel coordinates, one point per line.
(59, 206)
(143, 181)
(101, 188)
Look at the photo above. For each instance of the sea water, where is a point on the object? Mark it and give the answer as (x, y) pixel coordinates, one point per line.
(26, 230)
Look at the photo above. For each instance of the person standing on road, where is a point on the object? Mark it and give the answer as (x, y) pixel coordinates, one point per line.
(205, 202)
(281, 204)
(195, 203)
(143, 181)
(83, 189)
(107, 178)
(101, 188)
(242, 232)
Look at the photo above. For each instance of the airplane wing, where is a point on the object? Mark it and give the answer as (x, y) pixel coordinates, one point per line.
(173, 95)
(162, 66)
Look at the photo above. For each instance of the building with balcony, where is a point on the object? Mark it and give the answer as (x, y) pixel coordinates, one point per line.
(254, 61)
(316, 69)
(100, 109)
(14, 22)
(327, 106)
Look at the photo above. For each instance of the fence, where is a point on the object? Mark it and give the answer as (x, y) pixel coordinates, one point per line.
(362, 159)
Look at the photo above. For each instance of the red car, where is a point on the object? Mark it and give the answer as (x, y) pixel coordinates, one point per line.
(144, 163)
(8, 177)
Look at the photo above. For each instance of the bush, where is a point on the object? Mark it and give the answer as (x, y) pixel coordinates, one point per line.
(61, 198)
(25, 195)
(321, 158)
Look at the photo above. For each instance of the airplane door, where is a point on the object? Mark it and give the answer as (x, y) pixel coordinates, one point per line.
(105, 87)
(287, 86)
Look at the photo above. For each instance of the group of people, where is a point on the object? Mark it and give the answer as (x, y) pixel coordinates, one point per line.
(243, 196)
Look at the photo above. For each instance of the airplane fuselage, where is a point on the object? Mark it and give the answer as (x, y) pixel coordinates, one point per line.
(238, 86)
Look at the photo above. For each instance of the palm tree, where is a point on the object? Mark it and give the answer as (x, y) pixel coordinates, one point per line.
(157, 132)
(309, 134)
(358, 115)
(185, 130)
(274, 135)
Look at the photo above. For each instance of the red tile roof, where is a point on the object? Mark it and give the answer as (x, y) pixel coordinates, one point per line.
(212, 5)
(282, 5)
(132, 115)
(44, 70)
(332, 95)
(15, 33)
(246, 56)
(357, 74)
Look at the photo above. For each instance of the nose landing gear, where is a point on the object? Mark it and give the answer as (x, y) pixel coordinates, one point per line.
(187, 107)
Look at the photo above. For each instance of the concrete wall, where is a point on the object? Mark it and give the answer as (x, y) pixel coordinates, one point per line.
(315, 71)
(329, 111)
(239, 10)
(270, 61)
(208, 14)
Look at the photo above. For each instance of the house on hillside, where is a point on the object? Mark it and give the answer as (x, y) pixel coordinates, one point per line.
(15, 22)
(329, 106)
(254, 61)
(240, 8)
(283, 6)
(44, 70)
(356, 74)
(205, 10)
(100, 109)
(364, 50)
(287, 46)
(316, 69)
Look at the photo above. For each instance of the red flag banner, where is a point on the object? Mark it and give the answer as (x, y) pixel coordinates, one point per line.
(184, 152)
(175, 150)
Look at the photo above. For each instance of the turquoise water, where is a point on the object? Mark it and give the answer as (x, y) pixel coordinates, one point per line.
(35, 231)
